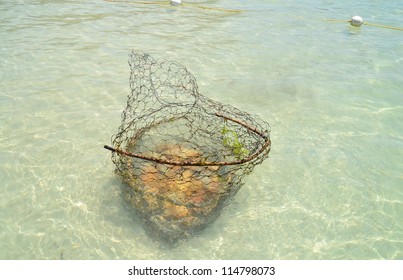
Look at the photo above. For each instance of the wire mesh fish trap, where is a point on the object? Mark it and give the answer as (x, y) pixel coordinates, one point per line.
(181, 155)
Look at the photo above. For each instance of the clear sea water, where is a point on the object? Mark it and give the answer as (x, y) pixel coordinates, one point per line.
(332, 187)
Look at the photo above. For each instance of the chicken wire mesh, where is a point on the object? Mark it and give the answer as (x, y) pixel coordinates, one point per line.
(181, 155)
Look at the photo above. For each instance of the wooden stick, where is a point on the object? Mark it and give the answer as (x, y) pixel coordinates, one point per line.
(247, 126)
(189, 163)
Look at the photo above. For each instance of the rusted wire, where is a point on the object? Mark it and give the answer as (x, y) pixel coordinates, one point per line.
(181, 155)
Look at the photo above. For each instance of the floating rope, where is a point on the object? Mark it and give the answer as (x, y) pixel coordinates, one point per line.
(139, 2)
(213, 9)
(176, 3)
(357, 21)
(383, 26)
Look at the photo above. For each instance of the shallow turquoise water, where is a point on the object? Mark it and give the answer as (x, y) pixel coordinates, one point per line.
(332, 187)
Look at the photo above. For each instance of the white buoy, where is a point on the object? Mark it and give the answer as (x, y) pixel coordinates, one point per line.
(356, 21)
(176, 2)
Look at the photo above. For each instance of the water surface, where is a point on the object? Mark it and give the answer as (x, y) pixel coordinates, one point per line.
(332, 187)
